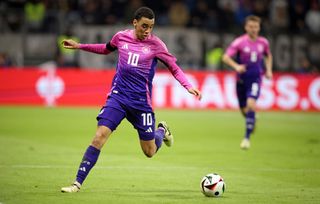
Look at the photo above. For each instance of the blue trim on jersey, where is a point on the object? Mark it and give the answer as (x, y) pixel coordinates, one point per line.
(151, 74)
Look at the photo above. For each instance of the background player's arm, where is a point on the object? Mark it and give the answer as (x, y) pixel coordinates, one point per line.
(268, 63)
(240, 68)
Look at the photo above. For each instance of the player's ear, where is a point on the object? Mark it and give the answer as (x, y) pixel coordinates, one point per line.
(134, 22)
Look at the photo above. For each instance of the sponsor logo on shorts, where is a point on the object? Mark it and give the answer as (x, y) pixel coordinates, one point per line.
(149, 130)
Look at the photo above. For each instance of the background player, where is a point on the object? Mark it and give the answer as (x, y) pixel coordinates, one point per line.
(252, 55)
(130, 94)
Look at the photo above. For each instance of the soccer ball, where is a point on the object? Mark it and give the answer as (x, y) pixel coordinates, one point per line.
(212, 185)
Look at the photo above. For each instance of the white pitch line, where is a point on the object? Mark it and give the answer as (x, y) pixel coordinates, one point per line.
(25, 166)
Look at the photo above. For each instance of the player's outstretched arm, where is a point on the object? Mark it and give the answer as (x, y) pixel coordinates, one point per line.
(180, 76)
(95, 48)
(70, 44)
(195, 92)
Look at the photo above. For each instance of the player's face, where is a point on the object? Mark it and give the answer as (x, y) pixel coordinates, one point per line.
(143, 27)
(252, 28)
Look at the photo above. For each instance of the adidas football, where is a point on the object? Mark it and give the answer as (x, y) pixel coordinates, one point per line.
(212, 185)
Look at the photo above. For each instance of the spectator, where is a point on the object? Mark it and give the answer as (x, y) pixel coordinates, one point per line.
(162, 8)
(226, 16)
(261, 8)
(35, 12)
(130, 8)
(12, 14)
(178, 14)
(214, 57)
(244, 10)
(313, 18)
(307, 67)
(69, 12)
(66, 57)
(5, 60)
(199, 15)
(90, 12)
(279, 17)
(109, 14)
(297, 16)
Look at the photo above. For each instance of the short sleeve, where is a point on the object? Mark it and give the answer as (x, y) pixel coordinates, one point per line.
(233, 47)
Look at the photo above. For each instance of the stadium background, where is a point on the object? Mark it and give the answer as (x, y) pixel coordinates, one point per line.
(196, 32)
(40, 147)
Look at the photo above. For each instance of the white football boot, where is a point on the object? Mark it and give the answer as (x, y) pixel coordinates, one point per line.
(245, 144)
(168, 137)
(75, 187)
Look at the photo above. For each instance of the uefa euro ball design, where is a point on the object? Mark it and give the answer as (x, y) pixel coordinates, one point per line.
(212, 185)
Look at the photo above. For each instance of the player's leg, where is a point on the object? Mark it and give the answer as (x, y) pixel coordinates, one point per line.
(253, 94)
(161, 134)
(91, 155)
(144, 121)
(89, 158)
(149, 147)
(168, 137)
(250, 123)
(108, 120)
(243, 111)
(242, 97)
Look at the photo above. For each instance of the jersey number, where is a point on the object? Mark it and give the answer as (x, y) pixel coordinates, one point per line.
(254, 89)
(253, 56)
(133, 59)
(147, 119)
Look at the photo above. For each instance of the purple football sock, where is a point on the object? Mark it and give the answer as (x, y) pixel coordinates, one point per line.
(250, 121)
(158, 136)
(89, 159)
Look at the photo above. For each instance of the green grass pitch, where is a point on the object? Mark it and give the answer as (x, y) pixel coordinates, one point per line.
(40, 150)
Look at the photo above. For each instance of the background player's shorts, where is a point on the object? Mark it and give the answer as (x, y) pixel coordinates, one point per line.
(247, 89)
(142, 119)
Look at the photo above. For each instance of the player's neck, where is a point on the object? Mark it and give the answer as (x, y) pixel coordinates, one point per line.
(252, 38)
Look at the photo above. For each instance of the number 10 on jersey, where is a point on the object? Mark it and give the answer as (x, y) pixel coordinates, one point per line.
(133, 59)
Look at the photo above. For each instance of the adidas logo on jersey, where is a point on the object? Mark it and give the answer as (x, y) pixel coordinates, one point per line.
(149, 130)
(125, 46)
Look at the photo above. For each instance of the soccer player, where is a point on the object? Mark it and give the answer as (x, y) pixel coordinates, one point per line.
(130, 94)
(252, 56)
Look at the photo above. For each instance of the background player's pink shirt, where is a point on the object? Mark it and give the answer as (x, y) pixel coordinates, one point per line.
(250, 53)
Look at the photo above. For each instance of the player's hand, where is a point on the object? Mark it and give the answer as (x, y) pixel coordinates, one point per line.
(240, 68)
(70, 44)
(195, 92)
(268, 74)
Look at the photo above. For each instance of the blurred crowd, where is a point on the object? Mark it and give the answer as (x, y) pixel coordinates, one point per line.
(221, 15)
(218, 16)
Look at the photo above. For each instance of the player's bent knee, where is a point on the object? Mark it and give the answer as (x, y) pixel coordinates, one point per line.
(148, 147)
(149, 153)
